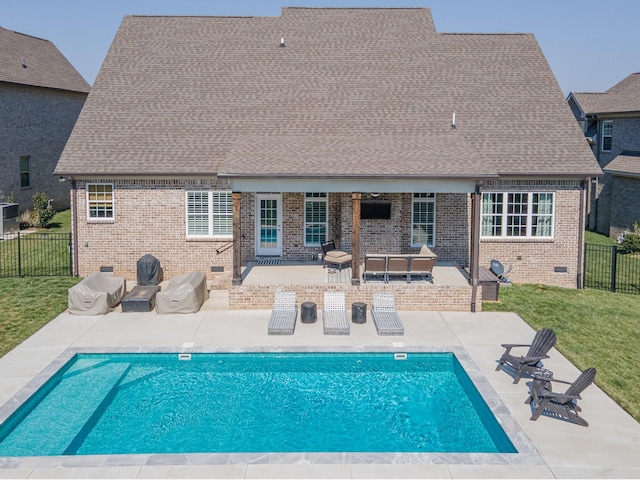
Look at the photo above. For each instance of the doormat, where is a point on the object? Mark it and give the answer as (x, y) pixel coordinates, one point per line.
(268, 261)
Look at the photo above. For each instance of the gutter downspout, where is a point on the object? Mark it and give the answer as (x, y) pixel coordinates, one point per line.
(74, 211)
(583, 190)
(476, 202)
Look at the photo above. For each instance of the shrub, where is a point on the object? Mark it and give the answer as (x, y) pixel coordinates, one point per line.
(631, 240)
(42, 211)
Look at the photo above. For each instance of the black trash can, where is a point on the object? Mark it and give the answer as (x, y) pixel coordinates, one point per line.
(359, 312)
(308, 312)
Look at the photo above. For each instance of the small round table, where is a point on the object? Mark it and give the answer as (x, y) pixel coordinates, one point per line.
(308, 312)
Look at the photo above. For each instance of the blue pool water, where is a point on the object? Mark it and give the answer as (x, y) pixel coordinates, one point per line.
(254, 402)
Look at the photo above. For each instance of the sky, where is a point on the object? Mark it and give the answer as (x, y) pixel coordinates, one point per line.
(590, 44)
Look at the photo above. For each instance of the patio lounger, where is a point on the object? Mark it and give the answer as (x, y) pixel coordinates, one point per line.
(96, 294)
(385, 317)
(284, 314)
(543, 341)
(334, 314)
(562, 405)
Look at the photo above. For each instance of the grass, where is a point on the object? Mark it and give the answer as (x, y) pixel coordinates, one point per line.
(595, 328)
(598, 265)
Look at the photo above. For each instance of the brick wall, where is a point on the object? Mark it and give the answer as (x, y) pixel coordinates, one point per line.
(36, 122)
(533, 261)
(626, 198)
(150, 218)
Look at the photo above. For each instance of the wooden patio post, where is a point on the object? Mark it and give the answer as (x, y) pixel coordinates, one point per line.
(355, 239)
(237, 237)
(474, 267)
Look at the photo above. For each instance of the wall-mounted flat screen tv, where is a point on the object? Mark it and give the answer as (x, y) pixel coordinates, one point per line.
(375, 209)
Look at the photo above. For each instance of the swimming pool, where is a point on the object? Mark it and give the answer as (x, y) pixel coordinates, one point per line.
(255, 402)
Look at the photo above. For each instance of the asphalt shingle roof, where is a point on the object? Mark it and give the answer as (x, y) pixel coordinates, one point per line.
(353, 92)
(621, 98)
(27, 60)
(625, 164)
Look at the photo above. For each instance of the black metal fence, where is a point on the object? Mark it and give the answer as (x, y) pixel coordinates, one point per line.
(35, 255)
(606, 267)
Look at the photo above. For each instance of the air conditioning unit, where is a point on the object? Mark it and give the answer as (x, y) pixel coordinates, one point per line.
(10, 218)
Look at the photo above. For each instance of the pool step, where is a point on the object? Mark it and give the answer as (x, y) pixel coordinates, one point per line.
(69, 423)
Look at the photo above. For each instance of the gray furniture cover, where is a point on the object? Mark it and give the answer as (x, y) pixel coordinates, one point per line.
(184, 294)
(96, 294)
(148, 270)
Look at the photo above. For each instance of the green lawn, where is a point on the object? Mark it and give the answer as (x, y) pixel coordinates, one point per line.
(595, 328)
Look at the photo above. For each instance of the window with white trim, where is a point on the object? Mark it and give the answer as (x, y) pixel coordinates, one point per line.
(209, 214)
(100, 201)
(423, 219)
(517, 214)
(607, 135)
(315, 218)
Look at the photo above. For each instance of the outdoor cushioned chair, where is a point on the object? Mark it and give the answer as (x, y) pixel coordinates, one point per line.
(284, 314)
(542, 342)
(564, 404)
(334, 314)
(96, 294)
(333, 257)
(375, 265)
(385, 317)
(184, 294)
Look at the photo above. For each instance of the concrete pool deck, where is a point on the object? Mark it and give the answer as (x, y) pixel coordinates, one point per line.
(608, 448)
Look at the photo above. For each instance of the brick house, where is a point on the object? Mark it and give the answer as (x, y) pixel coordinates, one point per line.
(210, 142)
(41, 95)
(611, 122)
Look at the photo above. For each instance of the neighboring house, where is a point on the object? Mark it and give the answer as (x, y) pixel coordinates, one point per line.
(212, 141)
(41, 96)
(611, 122)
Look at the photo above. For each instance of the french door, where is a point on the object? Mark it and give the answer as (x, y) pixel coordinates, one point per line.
(269, 224)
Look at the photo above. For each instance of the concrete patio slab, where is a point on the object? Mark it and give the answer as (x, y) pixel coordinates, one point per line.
(607, 448)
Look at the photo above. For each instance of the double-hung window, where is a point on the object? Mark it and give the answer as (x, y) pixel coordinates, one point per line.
(517, 214)
(209, 214)
(100, 201)
(315, 219)
(423, 219)
(25, 174)
(607, 135)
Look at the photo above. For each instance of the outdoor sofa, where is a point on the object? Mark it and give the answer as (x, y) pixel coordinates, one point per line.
(96, 294)
(407, 265)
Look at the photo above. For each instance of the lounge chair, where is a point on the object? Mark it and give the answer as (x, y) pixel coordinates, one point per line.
(385, 316)
(284, 314)
(333, 257)
(543, 341)
(184, 294)
(560, 404)
(334, 314)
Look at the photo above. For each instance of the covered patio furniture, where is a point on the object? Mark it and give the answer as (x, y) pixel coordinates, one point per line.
(148, 270)
(96, 294)
(184, 294)
(334, 314)
(561, 405)
(283, 315)
(333, 257)
(542, 342)
(384, 314)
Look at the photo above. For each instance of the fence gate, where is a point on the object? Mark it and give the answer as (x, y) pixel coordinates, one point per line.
(606, 267)
(35, 255)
